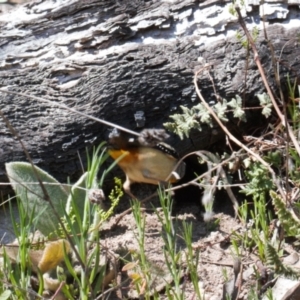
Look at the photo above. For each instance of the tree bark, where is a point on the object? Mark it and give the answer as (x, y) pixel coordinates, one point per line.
(112, 59)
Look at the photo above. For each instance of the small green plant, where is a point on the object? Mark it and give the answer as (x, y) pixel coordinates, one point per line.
(256, 234)
(269, 294)
(193, 118)
(192, 258)
(173, 257)
(253, 295)
(68, 265)
(242, 240)
(286, 215)
(16, 268)
(145, 275)
(259, 182)
(142, 279)
(241, 38)
(266, 103)
(232, 10)
(276, 264)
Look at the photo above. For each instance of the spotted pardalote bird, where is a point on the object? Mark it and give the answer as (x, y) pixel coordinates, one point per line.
(145, 159)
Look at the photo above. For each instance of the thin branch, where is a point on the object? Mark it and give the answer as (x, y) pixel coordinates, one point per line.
(194, 181)
(234, 139)
(277, 80)
(63, 106)
(264, 79)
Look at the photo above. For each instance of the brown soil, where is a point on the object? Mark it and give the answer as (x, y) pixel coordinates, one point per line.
(216, 257)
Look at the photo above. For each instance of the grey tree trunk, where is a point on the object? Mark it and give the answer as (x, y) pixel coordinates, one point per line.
(112, 59)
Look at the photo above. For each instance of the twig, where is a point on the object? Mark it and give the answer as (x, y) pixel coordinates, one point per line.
(58, 290)
(114, 288)
(63, 106)
(194, 181)
(238, 276)
(234, 139)
(277, 80)
(264, 79)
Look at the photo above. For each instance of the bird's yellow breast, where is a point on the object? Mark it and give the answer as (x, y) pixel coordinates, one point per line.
(145, 164)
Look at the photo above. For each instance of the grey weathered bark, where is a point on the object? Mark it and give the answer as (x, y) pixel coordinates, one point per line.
(112, 59)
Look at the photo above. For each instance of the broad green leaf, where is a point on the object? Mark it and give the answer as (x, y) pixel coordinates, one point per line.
(5, 295)
(25, 184)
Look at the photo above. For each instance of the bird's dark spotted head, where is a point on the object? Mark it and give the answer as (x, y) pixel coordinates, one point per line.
(121, 140)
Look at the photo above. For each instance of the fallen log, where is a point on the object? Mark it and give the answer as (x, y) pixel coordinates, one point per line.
(128, 62)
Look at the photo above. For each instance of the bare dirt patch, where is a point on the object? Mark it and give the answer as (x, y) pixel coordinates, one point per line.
(216, 257)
